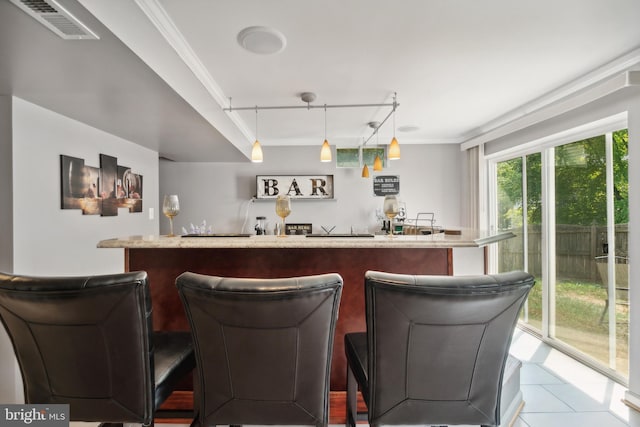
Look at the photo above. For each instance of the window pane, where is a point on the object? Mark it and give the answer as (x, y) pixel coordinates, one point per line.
(511, 252)
(581, 218)
(534, 237)
(512, 211)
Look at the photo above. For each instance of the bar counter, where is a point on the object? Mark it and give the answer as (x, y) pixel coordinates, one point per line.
(466, 238)
(164, 258)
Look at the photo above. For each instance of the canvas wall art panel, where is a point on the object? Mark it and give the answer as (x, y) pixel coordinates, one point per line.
(99, 190)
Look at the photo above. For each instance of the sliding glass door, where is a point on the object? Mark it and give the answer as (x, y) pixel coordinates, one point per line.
(581, 188)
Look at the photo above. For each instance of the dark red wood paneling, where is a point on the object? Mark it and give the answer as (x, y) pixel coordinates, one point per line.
(164, 265)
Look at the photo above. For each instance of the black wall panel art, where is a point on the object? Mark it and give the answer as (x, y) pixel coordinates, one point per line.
(99, 191)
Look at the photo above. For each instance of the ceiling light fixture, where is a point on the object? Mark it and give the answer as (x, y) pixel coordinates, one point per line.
(394, 105)
(365, 171)
(377, 162)
(308, 98)
(325, 152)
(256, 151)
(394, 147)
(262, 40)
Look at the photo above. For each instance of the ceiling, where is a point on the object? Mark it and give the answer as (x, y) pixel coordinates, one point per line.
(164, 70)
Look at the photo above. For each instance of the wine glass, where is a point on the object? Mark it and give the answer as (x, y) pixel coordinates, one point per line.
(283, 209)
(391, 207)
(171, 208)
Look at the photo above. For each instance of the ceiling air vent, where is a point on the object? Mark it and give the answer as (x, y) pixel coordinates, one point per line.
(57, 19)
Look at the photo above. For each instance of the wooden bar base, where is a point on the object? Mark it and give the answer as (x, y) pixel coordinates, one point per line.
(164, 265)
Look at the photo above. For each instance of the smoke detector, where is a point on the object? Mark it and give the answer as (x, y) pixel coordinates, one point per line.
(56, 18)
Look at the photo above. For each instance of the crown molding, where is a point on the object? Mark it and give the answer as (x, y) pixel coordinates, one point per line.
(169, 31)
(596, 84)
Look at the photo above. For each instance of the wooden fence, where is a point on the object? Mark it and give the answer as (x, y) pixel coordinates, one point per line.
(577, 248)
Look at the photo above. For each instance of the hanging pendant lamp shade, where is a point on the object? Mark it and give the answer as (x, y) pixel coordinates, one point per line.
(256, 152)
(377, 163)
(365, 171)
(325, 152)
(394, 149)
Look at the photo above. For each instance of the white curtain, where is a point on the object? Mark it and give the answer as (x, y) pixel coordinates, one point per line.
(476, 186)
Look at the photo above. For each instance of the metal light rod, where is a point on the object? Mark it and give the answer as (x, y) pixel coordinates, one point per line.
(395, 105)
(308, 106)
(381, 123)
(309, 97)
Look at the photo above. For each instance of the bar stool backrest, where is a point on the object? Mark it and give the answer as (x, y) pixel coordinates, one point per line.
(263, 347)
(437, 345)
(84, 341)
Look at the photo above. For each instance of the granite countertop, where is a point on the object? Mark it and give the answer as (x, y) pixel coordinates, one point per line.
(467, 238)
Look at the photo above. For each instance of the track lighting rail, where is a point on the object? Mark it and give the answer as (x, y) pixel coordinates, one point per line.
(308, 106)
(308, 98)
(375, 131)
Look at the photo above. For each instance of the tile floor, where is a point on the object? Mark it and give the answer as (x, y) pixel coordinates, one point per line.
(561, 392)
(558, 391)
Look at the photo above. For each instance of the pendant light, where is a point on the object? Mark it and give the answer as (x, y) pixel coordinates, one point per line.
(325, 152)
(256, 151)
(365, 168)
(394, 147)
(377, 163)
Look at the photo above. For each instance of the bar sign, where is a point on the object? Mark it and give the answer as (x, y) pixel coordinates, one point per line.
(386, 185)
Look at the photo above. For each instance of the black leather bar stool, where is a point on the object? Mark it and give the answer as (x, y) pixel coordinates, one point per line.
(435, 348)
(89, 342)
(263, 347)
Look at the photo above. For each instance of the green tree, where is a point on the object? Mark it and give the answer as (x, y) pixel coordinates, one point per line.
(621, 176)
(510, 194)
(534, 188)
(580, 175)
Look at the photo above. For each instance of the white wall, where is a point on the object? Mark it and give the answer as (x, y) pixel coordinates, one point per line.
(6, 182)
(8, 373)
(43, 239)
(430, 181)
(51, 240)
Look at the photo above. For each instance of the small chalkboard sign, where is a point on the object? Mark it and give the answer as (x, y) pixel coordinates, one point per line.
(385, 185)
(298, 228)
